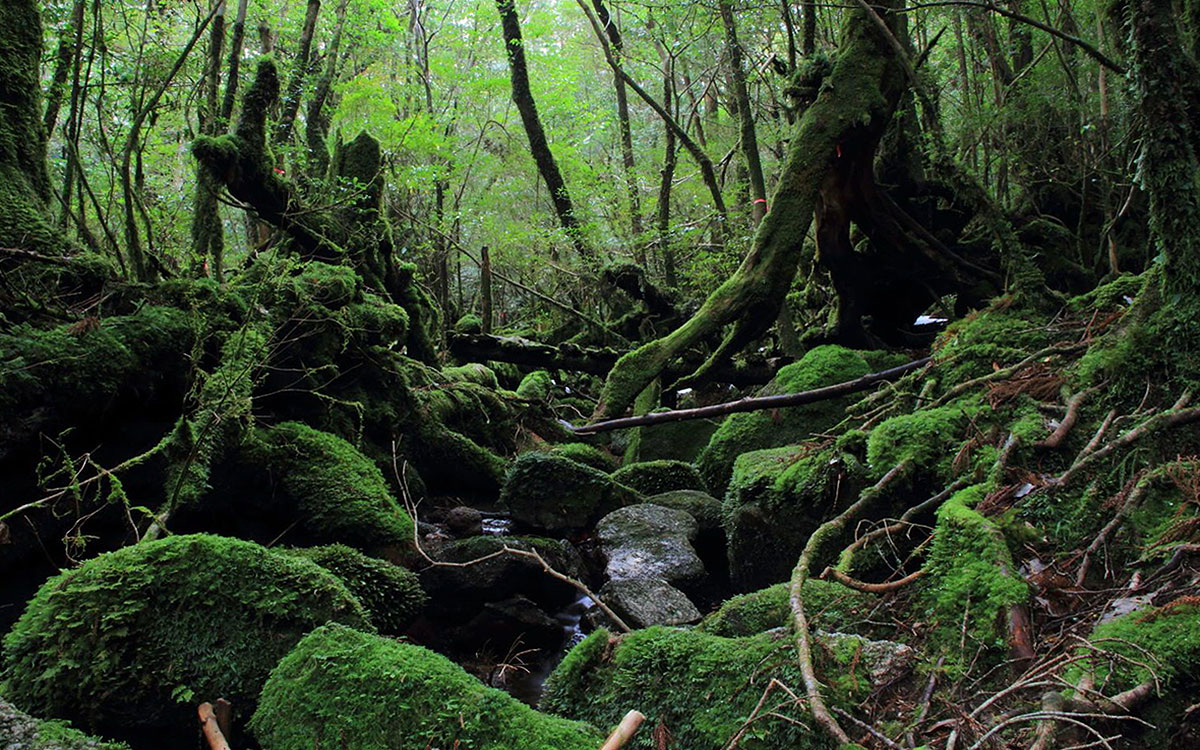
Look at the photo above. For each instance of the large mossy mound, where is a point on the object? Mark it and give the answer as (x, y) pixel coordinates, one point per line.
(655, 477)
(309, 486)
(20, 731)
(829, 606)
(776, 498)
(391, 595)
(822, 366)
(136, 637)
(342, 688)
(700, 687)
(545, 491)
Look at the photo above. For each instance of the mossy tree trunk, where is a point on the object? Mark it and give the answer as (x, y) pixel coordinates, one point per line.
(844, 123)
(539, 147)
(627, 160)
(25, 191)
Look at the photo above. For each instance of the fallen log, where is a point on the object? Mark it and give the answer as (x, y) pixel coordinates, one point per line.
(754, 403)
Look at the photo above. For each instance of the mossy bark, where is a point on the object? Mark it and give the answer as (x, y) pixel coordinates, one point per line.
(847, 118)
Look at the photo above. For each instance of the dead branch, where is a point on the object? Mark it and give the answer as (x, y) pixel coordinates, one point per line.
(1006, 372)
(1132, 499)
(796, 599)
(758, 713)
(624, 731)
(869, 588)
(210, 727)
(754, 403)
(846, 558)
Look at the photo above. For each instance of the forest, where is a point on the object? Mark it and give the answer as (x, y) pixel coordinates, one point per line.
(599, 374)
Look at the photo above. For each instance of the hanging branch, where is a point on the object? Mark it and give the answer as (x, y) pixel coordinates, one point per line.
(755, 403)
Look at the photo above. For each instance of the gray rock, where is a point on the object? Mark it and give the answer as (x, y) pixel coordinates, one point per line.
(464, 521)
(551, 493)
(642, 602)
(19, 731)
(650, 541)
(884, 661)
(701, 506)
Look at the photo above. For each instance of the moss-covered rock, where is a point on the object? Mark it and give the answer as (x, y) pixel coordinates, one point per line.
(829, 606)
(776, 498)
(927, 439)
(676, 441)
(391, 595)
(320, 484)
(655, 477)
(536, 386)
(342, 688)
(549, 492)
(469, 323)
(588, 455)
(134, 638)
(1160, 644)
(699, 686)
(20, 731)
(473, 372)
(822, 366)
(701, 506)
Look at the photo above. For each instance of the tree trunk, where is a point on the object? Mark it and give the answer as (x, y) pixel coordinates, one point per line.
(844, 122)
(291, 97)
(667, 176)
(236, 45)
(208, 235)
(749, 138)
(522, 96)
(70, 45)
(627, 161)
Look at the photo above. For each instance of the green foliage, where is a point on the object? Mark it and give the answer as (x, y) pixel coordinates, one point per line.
(972, 571)
(25, 732)
(340, 687)
(338, 495)
(655, 477)
(546, 491)
(473, 372)
(824, 365)
(391, 595)
(138, 636)
(701, 687)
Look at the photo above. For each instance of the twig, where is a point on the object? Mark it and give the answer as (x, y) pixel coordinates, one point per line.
(755, 715)
(796, 599)
(869, 588)
(756, 403)
(868, 729)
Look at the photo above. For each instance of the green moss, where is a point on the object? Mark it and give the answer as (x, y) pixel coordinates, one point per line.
(655, 477)
(138, 636)
(829, 606)
(926, 439)
(1114, 295)
(701, 506)
(972, 571)
(971, 347)
(338, 495)
(1160, 644)
(473, 372)
(588, 455)
(342, 688)
(469, 323)
(822, 366)
(536, 386)
(23, 732)
(699, 686)
(424, 320)
(551, 492)
(391, 595)
(776, 499)
(678, 441)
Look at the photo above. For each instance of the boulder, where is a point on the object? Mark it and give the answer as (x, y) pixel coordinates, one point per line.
(650, 541)
(654, 477)
(643, 602)
(701, 506)
(551, 493)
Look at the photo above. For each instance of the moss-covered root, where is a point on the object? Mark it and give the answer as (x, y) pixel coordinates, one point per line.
(700, 687)
(134, 638)
(391, 595)
(864, 86)
(342, 688)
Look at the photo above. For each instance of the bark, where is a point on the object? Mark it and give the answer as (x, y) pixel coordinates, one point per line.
(316, 121)
(835, 129)
(749, 138)
(70, 47)
(236, 45)
(485, 289)
(539, 147)
(208, 236)
(300, 65)
(809, 43)
(667, 177)
(627, 160)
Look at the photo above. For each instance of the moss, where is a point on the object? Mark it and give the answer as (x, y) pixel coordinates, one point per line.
(391, 595)
(926, 439)
(701, 506)
(21, 731)
(699, 686)
(972, 571)
(536, 386)
(336, 493)
(655, 477)
(969, 348)
(1114, 295)
(469, 323)
(677, 441)
(829, 606)
(824, 365)
(551, 492)
(424, 321)
(588, 455)
(776, 499)
(339, 687)
(1160, 644)
(136, 637)
(473, 372)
